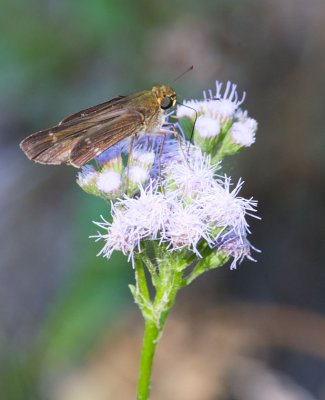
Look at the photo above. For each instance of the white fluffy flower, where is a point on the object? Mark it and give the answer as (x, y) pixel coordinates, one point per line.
(236, 247)
(137, 174)
(189, 108)
(185, 227)
(228, 101)
(218, 106)
(139, 167)
(134, 220)
(143, 157)
(117, 235)
(243, 132)
(224, 209)
(190, 176)
(108, 181)
(207, 127)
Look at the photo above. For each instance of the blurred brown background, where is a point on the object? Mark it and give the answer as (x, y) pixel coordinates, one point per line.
(68, 327)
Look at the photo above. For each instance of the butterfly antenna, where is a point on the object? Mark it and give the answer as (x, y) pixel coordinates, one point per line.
(195, 119)
(183, 73)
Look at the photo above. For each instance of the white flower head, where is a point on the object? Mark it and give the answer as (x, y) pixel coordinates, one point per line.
(188, 109)
(138, 168)
(220, 106)
(185, 228)
(190, 173)
(207, 127)
(147, 212)
(228, 101)
(224, 209)
(135, 220)
(116, 237)
(109, 181)
(243, 131)
(137, 174)
(237, 247)
(143, 157)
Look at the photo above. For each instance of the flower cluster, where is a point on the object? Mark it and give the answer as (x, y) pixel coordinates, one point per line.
(169, 192)
(189, 210)
(110, 178)
(220, 126)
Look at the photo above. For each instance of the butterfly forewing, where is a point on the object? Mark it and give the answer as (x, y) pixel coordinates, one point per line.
(54, 145)
(48, 146)
(91, 111)
(105, 135)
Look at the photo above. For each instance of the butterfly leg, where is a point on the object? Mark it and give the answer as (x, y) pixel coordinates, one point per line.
(177, 136)
(130, 148)
(163, 135)
(160, 148)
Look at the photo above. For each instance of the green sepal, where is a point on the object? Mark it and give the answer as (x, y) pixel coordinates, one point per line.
(187, 126)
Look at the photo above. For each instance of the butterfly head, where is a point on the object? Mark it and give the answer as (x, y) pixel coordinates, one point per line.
(165, 95)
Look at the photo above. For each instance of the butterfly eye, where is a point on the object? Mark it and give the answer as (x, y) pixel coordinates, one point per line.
(166, 103)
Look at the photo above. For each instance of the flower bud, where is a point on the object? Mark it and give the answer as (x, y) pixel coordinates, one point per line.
(206, 133)
(87, 178)
(138, 169)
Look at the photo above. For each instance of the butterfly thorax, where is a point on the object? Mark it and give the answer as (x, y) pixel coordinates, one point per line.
(152, 104)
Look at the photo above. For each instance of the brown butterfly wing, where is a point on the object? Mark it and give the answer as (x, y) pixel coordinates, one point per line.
(54, 145)
(100, 110)
(91, 111)
(104, 135)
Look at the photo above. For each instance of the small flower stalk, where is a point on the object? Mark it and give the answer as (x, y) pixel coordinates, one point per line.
(175, 213)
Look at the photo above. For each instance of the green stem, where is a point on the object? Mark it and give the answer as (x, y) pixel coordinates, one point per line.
(150, 340)
(151, 269)
(168, 281)
(210, 261)
(155, 316)
(141, 279)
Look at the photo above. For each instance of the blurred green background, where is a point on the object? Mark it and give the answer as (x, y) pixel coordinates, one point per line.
(61, 307)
